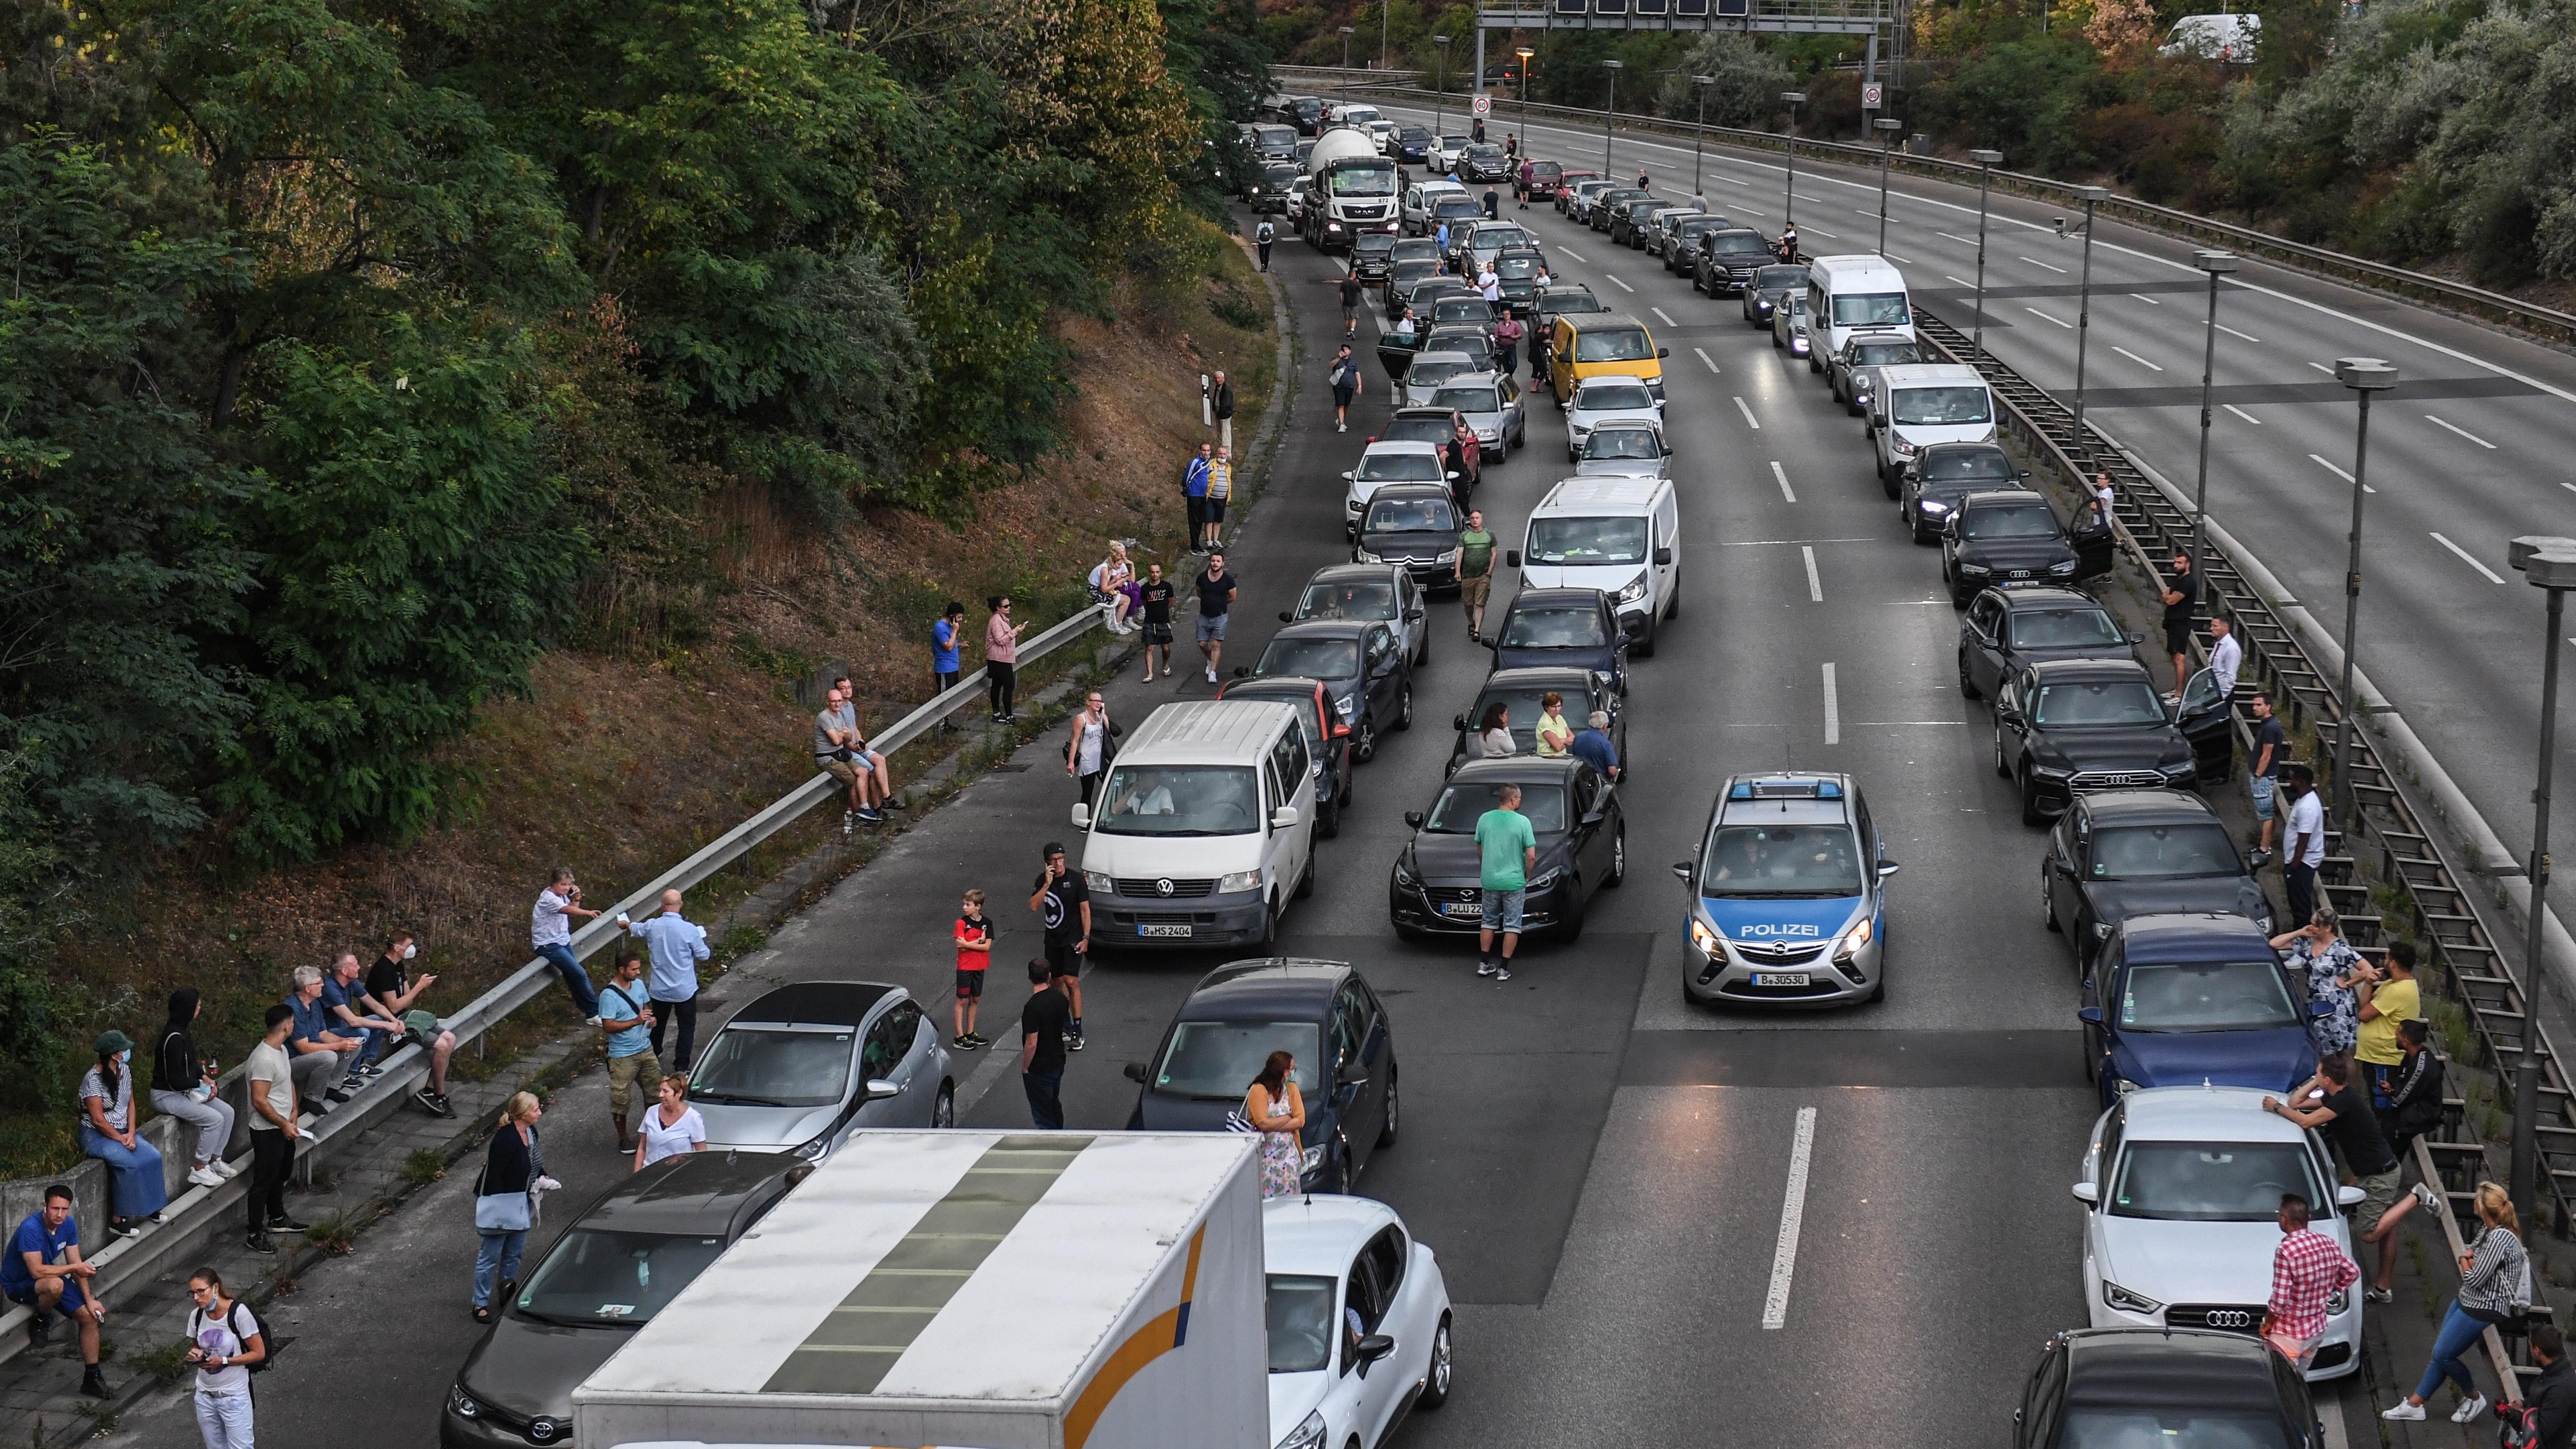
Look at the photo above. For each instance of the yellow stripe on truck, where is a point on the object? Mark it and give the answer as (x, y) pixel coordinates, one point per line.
(1161, 1334)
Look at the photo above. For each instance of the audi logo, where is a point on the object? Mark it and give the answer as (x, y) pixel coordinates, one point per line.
(2228, 1318)
(1163, 887)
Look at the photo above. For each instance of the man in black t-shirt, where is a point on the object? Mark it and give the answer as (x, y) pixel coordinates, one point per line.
(2263, 773)
(1216, 596)
(2335, 1104)
(1154, 597)
(1063, 904)
(1043, 1027)
(2181, 597)
(1352, 291)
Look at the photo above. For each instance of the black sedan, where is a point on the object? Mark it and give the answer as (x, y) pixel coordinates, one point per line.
(1597, 214)
(1436, 886)
(2009, 534)
(1477, 341)
(1485, 162)
(2005, 629)
(1328, 742)
(1437, 426)
(1520, 690)
(1767, 286)
(1681, 246)
(1403, 274)
(2092, 1385)
(1570, 628)
(1319, 1012)
(1942, 474)
(2126, 853)
(1414, 526)
(2068, 727)
(1628, 219)
(632, 1250)
(1371, 256)
(1728, 260)
(1362, 665)
(1414, 249)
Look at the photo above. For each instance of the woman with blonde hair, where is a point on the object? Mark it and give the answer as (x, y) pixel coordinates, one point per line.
(1114, 583)
(1277, 1110)
(671, 1125)
(2495, 1287)
(502, 1205)
(1555, 736)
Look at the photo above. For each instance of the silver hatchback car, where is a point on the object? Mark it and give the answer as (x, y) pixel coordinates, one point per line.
(1625, 448)
(1491, 404)
(800, 1068)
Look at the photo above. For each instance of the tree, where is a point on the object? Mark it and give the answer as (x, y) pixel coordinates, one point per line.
(1747, 79)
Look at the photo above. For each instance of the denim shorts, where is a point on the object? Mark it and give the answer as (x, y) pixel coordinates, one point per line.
(1503, 909)
(2262, 787)
(1212, 626)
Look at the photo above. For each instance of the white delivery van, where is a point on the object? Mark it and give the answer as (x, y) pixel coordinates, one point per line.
(1205, 827)
(1851, 294)
(1619, 535)
(1917, 404)
(1042, 1290)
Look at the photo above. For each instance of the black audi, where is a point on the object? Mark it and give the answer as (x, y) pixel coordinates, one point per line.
(1436, 887)
(1519, 692)
(1932, 485)
(2008, 627)
(2125, 853)
(2069, 727)
(2008, 534)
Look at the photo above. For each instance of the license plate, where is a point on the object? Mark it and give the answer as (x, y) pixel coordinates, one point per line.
(1181, 932)
(1781, 978)
(1470, 911)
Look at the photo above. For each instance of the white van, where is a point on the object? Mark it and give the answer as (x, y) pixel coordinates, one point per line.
(1206, 827)
(1854, 294)
(1917, 404)
(1619, 535)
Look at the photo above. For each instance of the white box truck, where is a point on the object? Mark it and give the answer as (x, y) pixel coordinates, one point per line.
(1046, 1290)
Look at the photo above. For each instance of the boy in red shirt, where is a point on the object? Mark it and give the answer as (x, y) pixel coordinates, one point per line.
(974, 937)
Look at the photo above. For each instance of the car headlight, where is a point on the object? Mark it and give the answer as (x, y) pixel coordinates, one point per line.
(2263, 921)
(1403, 872)
(1311, 1159)
(2121, 1300)
(1978, 569)
(1361, 555)
(1350, 505)
(463, 1403)
(1099, 883)
(815, 1150)
(1580, 430)
(1543, 881)
(2052, 772)
(1853, 939)
(1450, 557)
(1332, 226)
(2339, 1300)
(1933, 506)
(1707, 940)
(1309, 1433)
(2060, 570)
(1902, 448)
(1860, 399)
(1635, 590)
(1349, 705)
(1236, 881)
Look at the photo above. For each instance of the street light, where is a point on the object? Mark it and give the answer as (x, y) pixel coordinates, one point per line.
(2546, 563)
(1524, 52)
(2364, 375)
(1699, 124)
(1346, 60)
(1789, 201)
(2217, 264)
(1986, 163)
(2091, 197)
(1440, 89)
(1887, 126)
(1613, 67)
(1382, 7)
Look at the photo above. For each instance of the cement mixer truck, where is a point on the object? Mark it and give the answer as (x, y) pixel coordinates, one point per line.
(1353, 191)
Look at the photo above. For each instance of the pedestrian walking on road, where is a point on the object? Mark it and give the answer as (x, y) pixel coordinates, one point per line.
(1154, 598)
(1507, 341)
(274, 1129)
(45, 1272)
(1194, 486)
(550, 932)
(1509, 850)
(2335, 972)
(1001, 659)
(678, 944)
(1044, 1022)
(671, 1126)
(1216, 601)
(1063, 904)
(225, 1340)
(503, 1206)
(2263, 773)
(1220, 492)
(1277, 1110)
(1352, 292)
(626, 1014)
(1221, 401)
(1474, 571)
(136, 1190)
(2307, 1269)
(2181, 599)
(2495, 1285)
(973, 936)
(184, 1086)
(1091, 745)
(1262, 236)
(2307, 841)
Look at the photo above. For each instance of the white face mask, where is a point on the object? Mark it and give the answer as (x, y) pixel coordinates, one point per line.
(410, 949)
(123, 1057)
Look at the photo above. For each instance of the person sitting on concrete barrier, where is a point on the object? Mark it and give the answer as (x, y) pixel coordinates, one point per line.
(183, 1086)
(136, 1190)
(44, 1271)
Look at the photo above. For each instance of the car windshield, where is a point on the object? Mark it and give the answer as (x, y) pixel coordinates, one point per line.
(1414, 135)
(1781, 861)
(1613, 344)
(1938, 406)
(1360, 599)
(1411, 269)
(1545, 170)
(1405, 515)
(1311, 658)
(1479, 398)
(1517, 269)
(1461, 309)
(2158, 852)
(1485, 151)
(1616, 397)
(1405, 467)
(773, 1067)
(1177, 800)
(2063, 628)
(1586, 541)
(1217, 1060)
(2206, 996)
(1421, 375)
(594, 1276)
(1278, 176)
(1772, 279)
(1278, 136)
(1694, 225)
(2013, 520)
(1420, 430)
(1495, 238)
(1966, 465)
(1299, 1311)
(2097, 702)
(2169, 1428)
(1870, 309)
(1553, 629)
(1622, 443)
(1452, 205)
(1883, 354)
(2210, 1182)
(1364, 179)
(1557, 301)
(1740, 244)
(1461, 806)
(1375, 242)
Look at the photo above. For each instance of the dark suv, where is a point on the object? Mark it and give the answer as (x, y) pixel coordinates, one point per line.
(2006, 534)
(1930, 487)
(1724, 261)
(2068, 727)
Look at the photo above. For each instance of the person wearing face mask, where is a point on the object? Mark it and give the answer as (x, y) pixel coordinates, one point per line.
(390, 985)
(135, 1189)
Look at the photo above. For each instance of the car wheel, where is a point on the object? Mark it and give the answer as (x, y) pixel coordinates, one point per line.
(1645, 646)
(1878, 993)
(2003, 767)
(1571, 927)
(1435, 1383)
(1328, 821)
(1404, 715)
(943, 1112)
(1967, 684)
(1424, 656)
(1270, 923)
(1306, 882)
(1386, 1129)
(1673, 606)
(1364, 748)
(2030, 811)
(2047, 901)
(1887, 482)
(1618, 858)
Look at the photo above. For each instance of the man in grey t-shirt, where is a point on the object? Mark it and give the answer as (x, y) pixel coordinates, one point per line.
(836, 735)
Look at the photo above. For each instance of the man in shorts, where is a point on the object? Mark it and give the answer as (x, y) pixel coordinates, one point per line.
(1345, 378)
(1508, 848)
(2263, 775)
(1474, 571)
(974, 938)
(1154, 597)
(2181, 598)
(837, 752)
(1063, 904)
(44, 1271)
(1352, 291)
(1216, 598)
(1220, 491)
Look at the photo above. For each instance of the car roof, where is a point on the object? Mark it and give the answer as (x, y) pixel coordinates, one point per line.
(1405, 445)
(1540, 676)
(1265, 983)
(1585, 321)
(2053, 670)
(1606, 379)
(1897, 372)
(1399, 491)
(1436, 354)
(1558, 598)
(1889, 339)
(2169, 1366)
(1380, 573)
(815, 1003)
(2192, 936)
(1958, 446)
(699, 1195)
(1628, 495)
(2146, 807)
(2204, 1114)
(1327, 629)
(2046, 596)
(2013, 495)
(1270, 686)
(1787, 797)
(1318, 1233)
(1210, 732)
(1519, 769)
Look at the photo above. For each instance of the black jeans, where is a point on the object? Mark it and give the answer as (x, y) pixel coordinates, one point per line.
(687, 1012)
(1046, 1109)
(1000, 683)
(1265, 256)
(2302, 882)
(271, 1156)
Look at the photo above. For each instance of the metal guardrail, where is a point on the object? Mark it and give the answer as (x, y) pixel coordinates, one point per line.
(2544, 323)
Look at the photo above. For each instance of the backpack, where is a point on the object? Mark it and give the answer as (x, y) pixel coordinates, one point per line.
(232, 1323)
(2517, 1426)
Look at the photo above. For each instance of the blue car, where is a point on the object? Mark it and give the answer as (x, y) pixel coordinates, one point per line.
(1787, 906)
(2182, 999)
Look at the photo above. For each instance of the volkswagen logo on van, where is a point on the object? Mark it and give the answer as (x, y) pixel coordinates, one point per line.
(1163, 887)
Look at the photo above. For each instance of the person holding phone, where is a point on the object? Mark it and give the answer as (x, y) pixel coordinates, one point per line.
(224, 1340)
(1063, 904)
(2335, 975)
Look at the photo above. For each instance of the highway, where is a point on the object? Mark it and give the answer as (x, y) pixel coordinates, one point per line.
(2472, 449)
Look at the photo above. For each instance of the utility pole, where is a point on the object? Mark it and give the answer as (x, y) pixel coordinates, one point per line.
(1887, 127)
(1699, 125)
(1609, 116)
(1789, 201)
(2092, 196)
(1525, 54)
(2546, 563)
(1440, 86)
(1986, 163)
(2364, 375)
(2217, 264)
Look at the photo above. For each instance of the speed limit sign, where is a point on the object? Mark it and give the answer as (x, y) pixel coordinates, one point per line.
(1483, 105)
(1872, 96)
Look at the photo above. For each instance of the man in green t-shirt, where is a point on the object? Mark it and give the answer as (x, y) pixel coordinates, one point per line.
(1510, 851)
(1474, 572)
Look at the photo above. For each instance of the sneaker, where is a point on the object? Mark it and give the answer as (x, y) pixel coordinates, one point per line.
(1073, 1043)
(428, 1101)
(979, 1039)
(1484, 967)
(224, 1169)
(40, 1329)
(205, 1177)
(286, 1225)
(1211, 674)
(2468, 1412)
(123, 1228)
(371, 1070)
(962, 1043)
(438, 1104)
(2404, 1412)
(1502, 974)
(2377, 1295)
(351, 1084)
(94, 1384)
(1341, 427)
(591, 1020)
(2423, 1193)
(869, 814)
(260, 1243)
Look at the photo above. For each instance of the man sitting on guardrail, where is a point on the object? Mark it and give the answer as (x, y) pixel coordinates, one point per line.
(840, 753)
(393, 993)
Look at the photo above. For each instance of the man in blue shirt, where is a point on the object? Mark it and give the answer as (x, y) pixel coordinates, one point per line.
(626, 1014)
(1593, 747)
(943, 651)
(44, 1271)
(1194, 486)
(678, 945)
(326, 1063)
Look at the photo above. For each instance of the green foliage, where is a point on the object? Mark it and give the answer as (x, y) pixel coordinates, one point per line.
(1746, 82)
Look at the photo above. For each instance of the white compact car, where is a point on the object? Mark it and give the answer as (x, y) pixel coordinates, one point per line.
(1359, 1322)
(1387, 461)
(1625, 448)
(1597, 400)
(2182, 1188)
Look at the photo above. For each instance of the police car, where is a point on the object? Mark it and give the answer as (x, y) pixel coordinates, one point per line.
(1787, 905)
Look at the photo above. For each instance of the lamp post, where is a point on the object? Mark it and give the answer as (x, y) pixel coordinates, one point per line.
(1789, 201)
(2092, 196)
(2550, 564)
(1887, 126)
(1613, 67)
(2364, 375)
(1986, 163)
(1439, 88)
(1525, 53)
(2217, 264)
(1346, 60)
(1699, 125)
(1382, 7)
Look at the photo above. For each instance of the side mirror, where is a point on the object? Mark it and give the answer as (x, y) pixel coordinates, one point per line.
(2089, 1015)
(1082, 817)
(1284, 618)
(2349, 1196)
(1378, 1345)
(1682, 871)
(1460, 723)
(1413, 614)
(1243, 671)
(1453, 475)
(2140, 637)
(2008, 715)
(2025, 472)
(1284, 818)
(1511, 558)
(1663, 352)
(1663, 557)
(1888, 868)
(880, 1089)
(1348, 478)
(2087, 1194)
(1415, 818)
(1135, 1072)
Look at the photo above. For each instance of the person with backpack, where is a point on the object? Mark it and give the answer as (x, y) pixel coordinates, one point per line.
(2547, 1413)
(1262, 236)
(2415, 1092)
(2495, 1287)
(226, 1345)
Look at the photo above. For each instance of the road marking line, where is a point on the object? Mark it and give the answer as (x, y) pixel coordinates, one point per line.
(1893, 257)
(1731, 181)
(1820, 231)
(2240, 412)
(2463, 432)
(2467, 559)
(1749, 420)
(1815, 586)
(1778, 542)
(1865, 213)
(1962, 281)
(1614, 281)
(1752, 211)
(1778, 473)
(2035, 312)
(1704, 357)
(2570, 487)
(1668, 321)
(2140, 361)
(2338, 472)
(1784, 1258)
(1954, 236)
(2232, 332)
(1571, 252)
(2036, 262)
(2143, 297)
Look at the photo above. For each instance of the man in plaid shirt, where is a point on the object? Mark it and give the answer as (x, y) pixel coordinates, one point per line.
(2306, 1269)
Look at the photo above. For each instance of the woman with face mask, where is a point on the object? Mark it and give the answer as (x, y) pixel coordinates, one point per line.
(136, 1190)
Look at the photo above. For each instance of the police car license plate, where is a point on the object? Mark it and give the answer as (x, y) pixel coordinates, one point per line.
(1463, 910)
(1181, 931)
(1782, 978)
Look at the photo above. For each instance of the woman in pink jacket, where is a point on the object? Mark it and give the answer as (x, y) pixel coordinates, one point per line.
(1001, 657)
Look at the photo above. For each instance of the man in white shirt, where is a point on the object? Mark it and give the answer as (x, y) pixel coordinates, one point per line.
(2307, 844)
(2226, 656)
